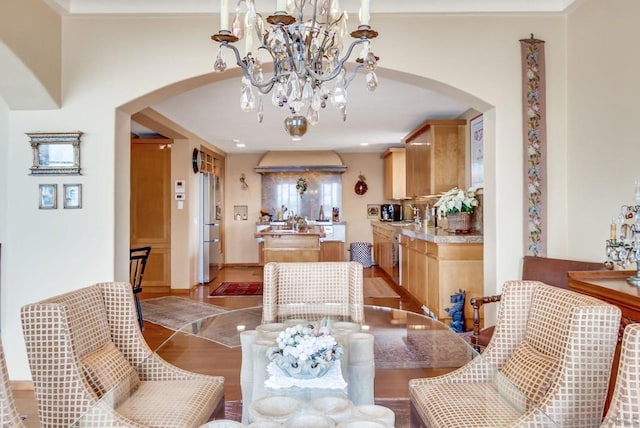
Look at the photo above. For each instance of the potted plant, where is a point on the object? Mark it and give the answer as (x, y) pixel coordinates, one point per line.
(458, 205)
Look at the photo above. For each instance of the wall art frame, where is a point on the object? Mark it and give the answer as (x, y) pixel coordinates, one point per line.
(373, 211)
(476, 130)
(48, 196)
(72, 194)
(55, 153)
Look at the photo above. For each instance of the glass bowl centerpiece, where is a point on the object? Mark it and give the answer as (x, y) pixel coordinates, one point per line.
(305, 351)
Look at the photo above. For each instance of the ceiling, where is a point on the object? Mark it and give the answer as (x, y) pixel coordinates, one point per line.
(212, 111)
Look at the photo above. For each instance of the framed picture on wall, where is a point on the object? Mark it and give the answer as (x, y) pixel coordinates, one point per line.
(373, 211)
(72, 195)
(477, 152)
(48, 199)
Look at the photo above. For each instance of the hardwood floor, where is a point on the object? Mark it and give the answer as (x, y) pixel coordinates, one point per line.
(155, 335)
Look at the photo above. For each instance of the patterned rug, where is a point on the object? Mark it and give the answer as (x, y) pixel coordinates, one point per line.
(420, 349)
(174, 312)
(238, 289)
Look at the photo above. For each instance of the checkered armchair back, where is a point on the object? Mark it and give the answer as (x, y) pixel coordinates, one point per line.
(312, 290)
(624, 410)
(9, 416)
(86, 343)
(549, 359)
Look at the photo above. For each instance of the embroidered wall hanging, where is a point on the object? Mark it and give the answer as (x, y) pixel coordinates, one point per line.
(535, 150)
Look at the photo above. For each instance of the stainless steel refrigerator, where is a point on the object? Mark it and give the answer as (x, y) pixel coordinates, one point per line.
(210, 216)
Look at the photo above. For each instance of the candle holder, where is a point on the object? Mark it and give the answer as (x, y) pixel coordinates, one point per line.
(623, 247)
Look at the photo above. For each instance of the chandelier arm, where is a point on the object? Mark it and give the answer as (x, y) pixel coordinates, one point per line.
(340, 64)
(353, 75)
(289, 43)
(264, 88)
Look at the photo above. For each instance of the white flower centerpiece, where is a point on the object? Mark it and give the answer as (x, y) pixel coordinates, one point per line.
(458, 205)
(305, 352)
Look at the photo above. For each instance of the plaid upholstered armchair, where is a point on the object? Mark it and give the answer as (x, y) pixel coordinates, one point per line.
(306, 290)
(624, 410)
(88, 359)
(548, 360)
(9, 416)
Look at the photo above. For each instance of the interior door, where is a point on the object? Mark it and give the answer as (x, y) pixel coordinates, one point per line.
(151, 206)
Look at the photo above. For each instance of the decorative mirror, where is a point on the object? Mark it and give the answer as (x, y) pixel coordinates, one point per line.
(55, 153)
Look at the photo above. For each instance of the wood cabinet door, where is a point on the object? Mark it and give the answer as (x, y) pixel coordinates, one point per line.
(419, 165)
(435, 157)
(332, 251)
(448, 157)
(395, 174)
(150, 212)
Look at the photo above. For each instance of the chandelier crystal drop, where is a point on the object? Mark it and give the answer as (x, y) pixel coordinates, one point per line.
(305, 41)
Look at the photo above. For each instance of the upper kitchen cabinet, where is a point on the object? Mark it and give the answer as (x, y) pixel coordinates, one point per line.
(395, 173)
(435, 157)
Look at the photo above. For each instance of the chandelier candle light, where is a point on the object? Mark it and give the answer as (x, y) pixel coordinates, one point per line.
(307, 54)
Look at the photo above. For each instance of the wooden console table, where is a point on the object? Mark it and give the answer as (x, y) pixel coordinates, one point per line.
(612, 287)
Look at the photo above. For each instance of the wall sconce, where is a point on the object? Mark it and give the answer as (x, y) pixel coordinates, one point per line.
(243, 182)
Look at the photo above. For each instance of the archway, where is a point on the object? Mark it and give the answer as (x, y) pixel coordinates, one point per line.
(125, 112)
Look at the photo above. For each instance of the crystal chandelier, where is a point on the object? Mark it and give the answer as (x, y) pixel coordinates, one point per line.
(308, 56)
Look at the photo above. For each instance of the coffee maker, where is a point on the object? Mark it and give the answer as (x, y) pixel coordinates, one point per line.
(390, 212)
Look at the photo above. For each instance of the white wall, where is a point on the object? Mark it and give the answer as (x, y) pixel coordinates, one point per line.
(354, 206)
(4, 178)
(240, 246)
(603, 149)
(109, 61)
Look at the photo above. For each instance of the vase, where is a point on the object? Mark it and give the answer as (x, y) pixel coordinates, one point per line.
(459, 222)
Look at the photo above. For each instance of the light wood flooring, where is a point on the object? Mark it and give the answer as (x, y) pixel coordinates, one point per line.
(202, 361)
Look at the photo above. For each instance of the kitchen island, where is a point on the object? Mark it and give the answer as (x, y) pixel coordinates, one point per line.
(288, 245)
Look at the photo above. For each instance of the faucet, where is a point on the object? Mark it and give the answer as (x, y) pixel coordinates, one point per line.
(416, 215)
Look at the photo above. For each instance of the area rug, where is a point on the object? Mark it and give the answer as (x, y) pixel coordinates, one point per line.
(174, 312)
(420, 349)
(374, 288)
(238, 289)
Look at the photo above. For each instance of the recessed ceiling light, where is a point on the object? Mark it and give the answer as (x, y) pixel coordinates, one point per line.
(240, 144)
(364, 144)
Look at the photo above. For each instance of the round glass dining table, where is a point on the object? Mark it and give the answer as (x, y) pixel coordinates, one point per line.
(406, 345)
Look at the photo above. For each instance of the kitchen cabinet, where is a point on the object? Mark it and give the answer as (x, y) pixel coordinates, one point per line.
(415, 267)
(332, 251)
(435, 157)
(453, 267)
(394, 173)
(434, 265)
(383, 241)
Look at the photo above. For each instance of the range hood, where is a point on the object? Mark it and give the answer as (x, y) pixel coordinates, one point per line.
(301, 161)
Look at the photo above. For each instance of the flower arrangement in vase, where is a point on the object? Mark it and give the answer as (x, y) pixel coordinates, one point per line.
(458, 205)
(301, 185)
(305, 352)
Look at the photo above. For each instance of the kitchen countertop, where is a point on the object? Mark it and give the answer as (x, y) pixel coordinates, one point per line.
(431, 234)
(272, 231)
(311, 223)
